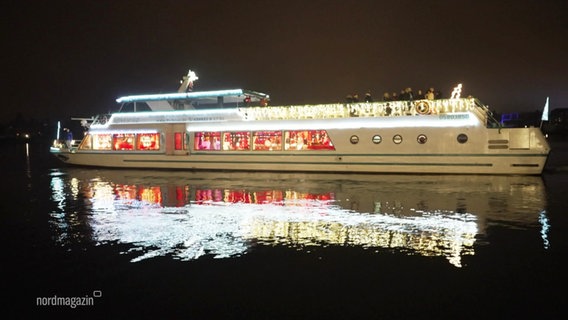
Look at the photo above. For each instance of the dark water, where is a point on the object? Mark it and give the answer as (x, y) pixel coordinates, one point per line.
(149, 244)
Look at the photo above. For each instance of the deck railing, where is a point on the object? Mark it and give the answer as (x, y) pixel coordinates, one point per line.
(322, 111)
(365, 109)
(101, 119)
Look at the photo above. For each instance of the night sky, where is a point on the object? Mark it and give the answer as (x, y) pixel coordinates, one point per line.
(74, 58)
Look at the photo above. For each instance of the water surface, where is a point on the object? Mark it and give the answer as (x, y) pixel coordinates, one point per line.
(206, 245)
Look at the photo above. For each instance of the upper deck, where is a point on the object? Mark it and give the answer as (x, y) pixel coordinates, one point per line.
(368, 109)
(247, 105)
(191, 100)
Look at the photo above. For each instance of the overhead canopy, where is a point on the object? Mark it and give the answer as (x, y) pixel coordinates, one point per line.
(228, 96)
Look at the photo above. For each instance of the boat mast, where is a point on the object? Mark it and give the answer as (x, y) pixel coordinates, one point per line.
(187, 82)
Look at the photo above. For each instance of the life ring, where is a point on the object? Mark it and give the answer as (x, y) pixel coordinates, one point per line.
(423, 107)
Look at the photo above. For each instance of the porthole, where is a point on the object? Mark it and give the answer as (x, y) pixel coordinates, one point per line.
(422, 138)
(354, 139)
(397, 139)
(462, 138)
(377, 139)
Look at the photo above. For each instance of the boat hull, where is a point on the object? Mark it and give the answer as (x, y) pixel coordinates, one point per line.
(438, 143)
(526, 164)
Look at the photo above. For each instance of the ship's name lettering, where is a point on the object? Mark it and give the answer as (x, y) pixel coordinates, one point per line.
(166, 119)
(207, 119)
(454, 116)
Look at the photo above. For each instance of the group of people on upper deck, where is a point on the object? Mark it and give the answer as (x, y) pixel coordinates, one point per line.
(404, 95)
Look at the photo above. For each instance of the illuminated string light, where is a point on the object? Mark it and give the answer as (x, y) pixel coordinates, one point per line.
(445, 113)
(457, 91)
(192, 95)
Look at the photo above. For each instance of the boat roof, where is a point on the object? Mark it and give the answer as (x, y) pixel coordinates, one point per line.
(228, 96)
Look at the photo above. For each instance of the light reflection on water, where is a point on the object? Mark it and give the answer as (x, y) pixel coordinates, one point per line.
(190, 215)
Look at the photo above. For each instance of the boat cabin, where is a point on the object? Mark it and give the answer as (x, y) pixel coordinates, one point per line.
(192, 100)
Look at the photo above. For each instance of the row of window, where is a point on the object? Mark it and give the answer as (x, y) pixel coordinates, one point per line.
(236, 141)
(263, 140)
(121, 141)
(397, 139)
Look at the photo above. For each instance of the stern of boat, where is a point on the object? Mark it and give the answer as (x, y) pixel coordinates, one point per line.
(60, 150)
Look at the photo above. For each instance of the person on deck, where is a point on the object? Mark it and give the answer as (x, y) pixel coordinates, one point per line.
(68, 138)
(368, 97)
(430, 94)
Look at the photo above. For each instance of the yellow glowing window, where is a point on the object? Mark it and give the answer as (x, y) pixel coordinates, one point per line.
(267, 140)
(238, 141)
(148, 141)
(307, 140)
(102, 142)
(87, 143)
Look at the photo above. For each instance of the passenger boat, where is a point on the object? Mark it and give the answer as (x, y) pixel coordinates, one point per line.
(237, 130)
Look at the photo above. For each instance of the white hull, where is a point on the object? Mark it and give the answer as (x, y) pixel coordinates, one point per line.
(444, 164)
(437, 157)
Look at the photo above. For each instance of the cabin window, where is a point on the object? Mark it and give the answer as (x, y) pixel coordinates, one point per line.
(422, 138)
(123, 141)
(102, 142)
(307, 140)
(462, 138)
(87, 143)
(239, 141)
(142, 106)
(377, 139)
(397, 139)
(207, 141)
(127, 107)
(354, 139)
(267, 140)
(178, 140)
(148, 141)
